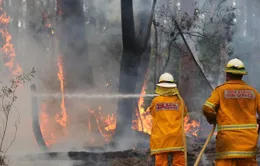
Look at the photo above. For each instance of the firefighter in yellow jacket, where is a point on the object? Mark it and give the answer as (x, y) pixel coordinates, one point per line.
(167, 110)
(233, 107)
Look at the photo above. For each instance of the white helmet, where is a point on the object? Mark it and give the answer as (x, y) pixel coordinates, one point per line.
(166, 80)
(235, 66)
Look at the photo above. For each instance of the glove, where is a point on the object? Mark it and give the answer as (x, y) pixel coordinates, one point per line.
(211, 118)
(212, 121)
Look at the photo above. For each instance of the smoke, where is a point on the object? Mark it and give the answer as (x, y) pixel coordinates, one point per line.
(41, 160)
(100, 60)
(38, 42)
(206, 161)
(246, 39)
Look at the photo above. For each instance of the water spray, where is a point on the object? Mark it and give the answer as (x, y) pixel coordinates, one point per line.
(91, 96)
(35, 108)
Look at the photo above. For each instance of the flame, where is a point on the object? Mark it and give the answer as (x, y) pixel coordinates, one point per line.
(48, 136)
(4, 19)
(143, 121)
(62, 117)
(106, 125)
(110, 122)
(191, 126)
(7, 46)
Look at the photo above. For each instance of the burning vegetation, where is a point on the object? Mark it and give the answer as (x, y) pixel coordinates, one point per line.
(7, 47)
(97, 119)
(56, 115)
(55, 126)
(62, 117)
(70, 37)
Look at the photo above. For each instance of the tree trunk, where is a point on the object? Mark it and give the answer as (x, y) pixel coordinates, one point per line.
(133, 48)
(73, 44)
(128, 71)
(144, 28)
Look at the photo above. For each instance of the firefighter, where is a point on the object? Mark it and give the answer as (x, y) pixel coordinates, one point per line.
(233, 107)
(167, 135)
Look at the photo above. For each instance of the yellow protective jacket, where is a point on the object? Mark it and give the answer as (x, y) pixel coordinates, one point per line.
(166, 134)
(233, 106)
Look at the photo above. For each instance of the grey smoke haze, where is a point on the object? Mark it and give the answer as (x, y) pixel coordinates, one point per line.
(104, 59)
(246, 38)
(36, 48)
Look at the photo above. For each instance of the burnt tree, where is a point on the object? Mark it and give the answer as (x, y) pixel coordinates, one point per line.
(73, 44)
(144, 17)
(133, 48)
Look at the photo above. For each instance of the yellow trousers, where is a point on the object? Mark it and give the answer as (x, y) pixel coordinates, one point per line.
(237, 162)
(162, 159)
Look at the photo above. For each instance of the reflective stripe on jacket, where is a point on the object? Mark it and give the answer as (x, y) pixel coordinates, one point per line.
(237, 127)
(234, 105)
(166, 134)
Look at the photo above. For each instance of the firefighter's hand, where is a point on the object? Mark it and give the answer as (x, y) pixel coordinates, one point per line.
(211, 117)
(212, 121)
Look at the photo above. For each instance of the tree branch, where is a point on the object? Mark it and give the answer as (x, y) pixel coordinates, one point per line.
(8, 98)
(179, 29)
(156, 51)
(15, 133)
(169, 52)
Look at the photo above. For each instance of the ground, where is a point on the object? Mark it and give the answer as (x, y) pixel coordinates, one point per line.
(134, 157)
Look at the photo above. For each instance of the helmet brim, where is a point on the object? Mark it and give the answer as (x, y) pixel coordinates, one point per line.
(238, 72)
(167, 85)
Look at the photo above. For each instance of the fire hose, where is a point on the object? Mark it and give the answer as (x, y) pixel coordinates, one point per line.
(35, 109)
(209, 138)
(35, 114)
(35, 122)
(201, 69)
(42, 144)
(205, 145)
